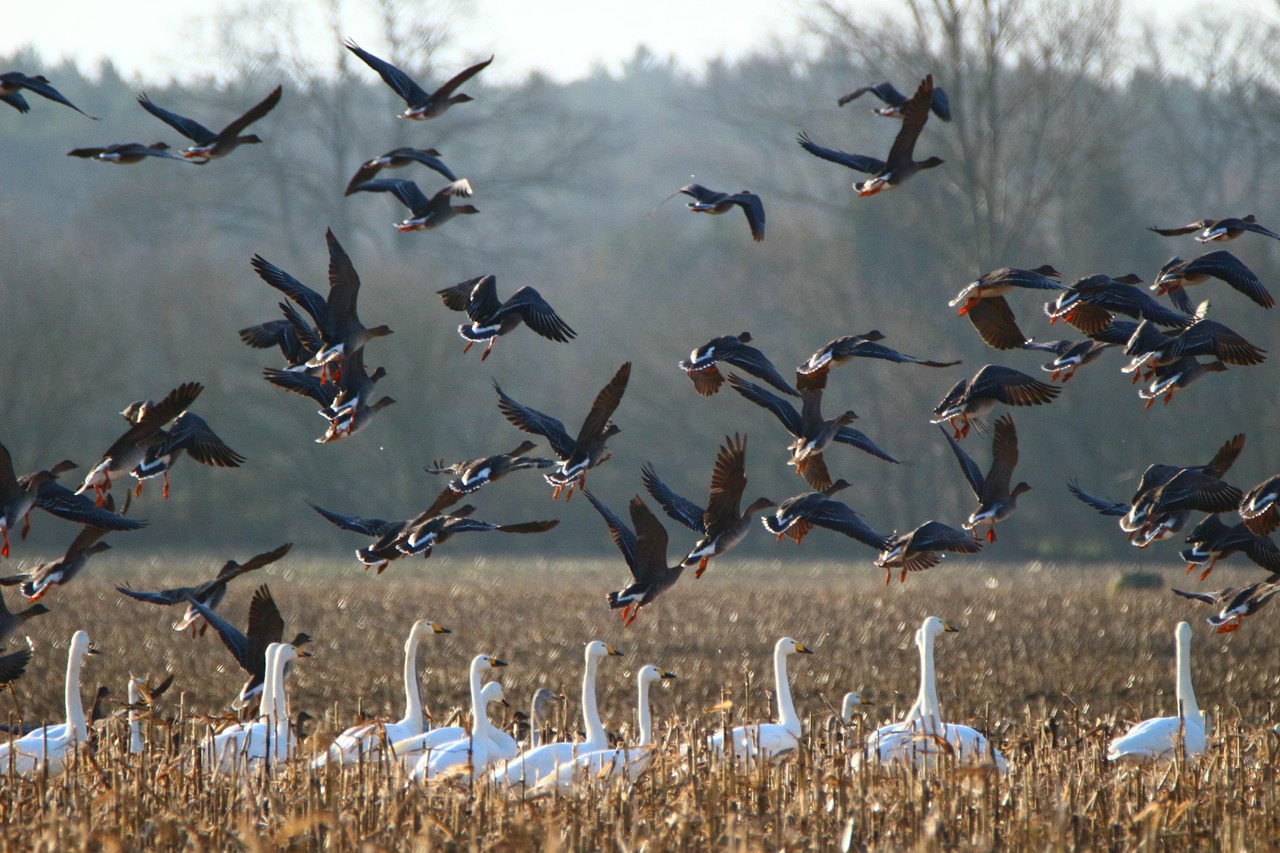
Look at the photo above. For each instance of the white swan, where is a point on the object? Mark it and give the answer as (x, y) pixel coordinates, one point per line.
(410, 749)
(852, 699)
(769, 741)
(270, 738)
(609, 764)
(54, 746)
(135, 715)
(1157, 739)
(922, 737)
(532, 764)
(367, 739)
(472, 755)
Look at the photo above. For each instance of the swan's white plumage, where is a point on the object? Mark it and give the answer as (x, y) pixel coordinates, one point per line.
(409, 750)
(53, 747)
(367, 739)
(471, 756)
(1157, 739)
(608, 764)
(922, 737)
(270, 738)
(532, 764)
(769, 741)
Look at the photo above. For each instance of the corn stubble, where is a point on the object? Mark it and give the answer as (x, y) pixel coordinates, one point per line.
(1049, 664)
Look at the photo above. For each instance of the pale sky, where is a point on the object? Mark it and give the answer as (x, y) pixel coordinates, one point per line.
(564, 39)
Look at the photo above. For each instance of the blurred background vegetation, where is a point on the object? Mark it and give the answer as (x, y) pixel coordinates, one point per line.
(1069, 139)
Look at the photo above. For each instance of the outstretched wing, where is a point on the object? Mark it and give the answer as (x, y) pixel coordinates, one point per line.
(254, 113)
(404, 86)
(190, 128)
(192, 433)
(366, 526)
(857, 162)
(536, 423)
(679, 508)
(538, 315)
(622, 535)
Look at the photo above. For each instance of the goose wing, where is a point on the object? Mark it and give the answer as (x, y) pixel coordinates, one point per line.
(404, 86)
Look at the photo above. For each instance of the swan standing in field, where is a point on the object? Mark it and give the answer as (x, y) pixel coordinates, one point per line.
(367, 738)
(532, 764)
(1157, 739)
(608, 764)
(410, 749)
(474, 752)
(921, 738)
(540, 712)
(270, 738)
(52, 747)
(769, 741)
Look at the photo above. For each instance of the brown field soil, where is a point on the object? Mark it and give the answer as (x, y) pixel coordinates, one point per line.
(1049, 663)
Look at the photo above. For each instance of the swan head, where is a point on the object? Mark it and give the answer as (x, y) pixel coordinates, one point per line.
(423, 627)
(597, 649)
(1182, 634)
(288, 652)
(81, 646)
(650, 673)
(852, 700)
(933, 626)
(482, 662)
(492, 692)
(788, 646)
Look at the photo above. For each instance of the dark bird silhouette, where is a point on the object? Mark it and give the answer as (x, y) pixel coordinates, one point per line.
(895, 102)
(125, 153)
(1219, 230)
(996, 500)
(580, 455)
(473, 474)
(14, 664)
(1211, 541)
(13, 82)
(812, 432)
(734, 350)
(845, 349)
(421, 104)
(983, 300)
(1091, 303)
(249, 647)
(398, 158)
(147, 431)
(970, 399)
(901, 165)
(796, 516)
(723, 524)
(11, 622)
(426, 212)
(1235, 604)
(919, 549)
(1177, 275)
(210, 145)
(492, 318)
(37, 581)
(210, 593)
(710, 201)
(645, 552)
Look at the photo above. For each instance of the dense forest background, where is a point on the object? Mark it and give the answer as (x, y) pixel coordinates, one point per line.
(1069, 139)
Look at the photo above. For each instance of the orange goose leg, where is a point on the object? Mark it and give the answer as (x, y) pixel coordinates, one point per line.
(702, 567)
(468, 347)
(5, 551)
(488, 349)
(26, 527)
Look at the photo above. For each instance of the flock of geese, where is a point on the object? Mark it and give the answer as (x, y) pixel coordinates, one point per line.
(323, 343)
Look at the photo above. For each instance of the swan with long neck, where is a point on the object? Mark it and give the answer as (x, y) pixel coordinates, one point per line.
(52, 747)
(609, 764)
(410, 749)
(270, 738)
(473, 754)
(1157, 739)
(531, 765)
(135, 715)
(367, 738)
(922, 737)
(769, 741)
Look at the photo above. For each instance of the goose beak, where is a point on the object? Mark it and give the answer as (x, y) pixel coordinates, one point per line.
(495, 662)
(612, 651)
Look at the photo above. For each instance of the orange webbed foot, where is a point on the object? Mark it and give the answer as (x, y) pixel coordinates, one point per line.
(991, 534)
(166, 485)
(702, 567)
